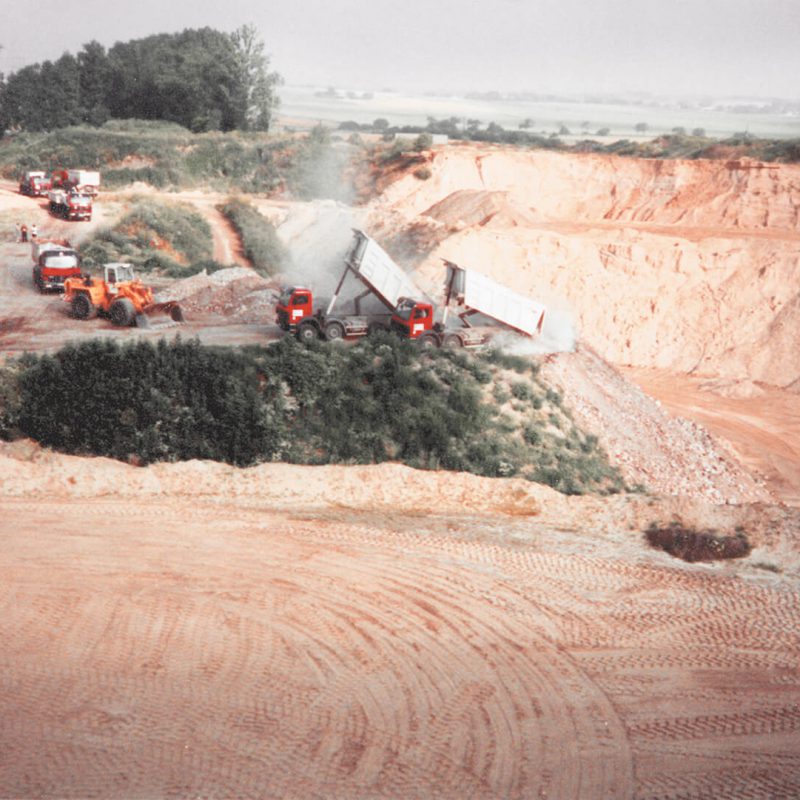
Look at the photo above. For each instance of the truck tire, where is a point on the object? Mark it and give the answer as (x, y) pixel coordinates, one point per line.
(334, 331)
(82, 307)
(37, 279)
(376, 327)
(122, 312)
(307, 333)
(453, 341)
(428, 340)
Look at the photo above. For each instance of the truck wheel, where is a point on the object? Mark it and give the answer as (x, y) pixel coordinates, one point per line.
(82, 307)
(37, 279)
(122, 312)
(428, 340)
(307, 333)
(334, 331)
(453, 341)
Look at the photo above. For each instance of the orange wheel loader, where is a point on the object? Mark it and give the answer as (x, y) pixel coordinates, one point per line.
(118, 295)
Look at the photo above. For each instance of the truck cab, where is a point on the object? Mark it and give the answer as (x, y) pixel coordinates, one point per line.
(34, 184)
(54, 266)
(295, 304)
(412, 319)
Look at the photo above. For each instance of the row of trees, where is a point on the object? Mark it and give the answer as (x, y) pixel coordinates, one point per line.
(202, 79)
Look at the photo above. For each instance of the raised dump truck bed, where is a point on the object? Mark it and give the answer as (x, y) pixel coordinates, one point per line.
(477, 294)
(373, 266)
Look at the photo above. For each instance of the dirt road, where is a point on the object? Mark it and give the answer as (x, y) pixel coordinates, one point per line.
(163, 641)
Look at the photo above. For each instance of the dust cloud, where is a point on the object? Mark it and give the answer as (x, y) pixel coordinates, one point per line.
(558, 336)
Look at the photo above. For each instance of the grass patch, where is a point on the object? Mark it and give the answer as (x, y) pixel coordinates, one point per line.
(693, 545)
(168, 237)
(260, 242)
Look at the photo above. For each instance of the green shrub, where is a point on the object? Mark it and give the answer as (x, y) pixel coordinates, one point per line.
(170, 237)
(522, 390)
(260, 242)
(380, 399)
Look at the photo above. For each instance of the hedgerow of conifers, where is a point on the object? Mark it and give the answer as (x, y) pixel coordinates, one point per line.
(379, 400)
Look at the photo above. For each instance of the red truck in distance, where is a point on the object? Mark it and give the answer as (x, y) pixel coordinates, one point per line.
(34, 183)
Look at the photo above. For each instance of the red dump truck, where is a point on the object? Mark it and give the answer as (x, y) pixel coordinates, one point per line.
(478, 305)
(53, 263)
(381, 278)
(34, 183)
(70, 204)
(473, 298)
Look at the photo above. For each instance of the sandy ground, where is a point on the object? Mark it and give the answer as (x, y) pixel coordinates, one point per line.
(195, 630)
(761, 422)
(358, 632)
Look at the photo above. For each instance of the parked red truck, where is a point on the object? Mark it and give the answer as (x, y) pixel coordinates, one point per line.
(54, 262)
(34, 183)
(70, 205)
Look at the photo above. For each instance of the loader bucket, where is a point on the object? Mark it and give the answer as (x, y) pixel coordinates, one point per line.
(171, 309)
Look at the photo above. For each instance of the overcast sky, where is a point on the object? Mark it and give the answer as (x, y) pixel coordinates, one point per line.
(714, 47)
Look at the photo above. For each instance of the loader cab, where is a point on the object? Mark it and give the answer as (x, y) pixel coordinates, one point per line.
(295, 304)
(412, 318)
(118, 273)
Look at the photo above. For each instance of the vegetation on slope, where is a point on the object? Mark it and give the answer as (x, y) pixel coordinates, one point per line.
(170, 237)
(381, 399)
(260, 242)
(167, 156)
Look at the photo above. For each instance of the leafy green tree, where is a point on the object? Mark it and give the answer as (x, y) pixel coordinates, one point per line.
(423, 142)
(256, 96)
(95, 78)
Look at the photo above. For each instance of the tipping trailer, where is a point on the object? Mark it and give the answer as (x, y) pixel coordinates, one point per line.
(369, 263)
(85, 181)
(468, 293)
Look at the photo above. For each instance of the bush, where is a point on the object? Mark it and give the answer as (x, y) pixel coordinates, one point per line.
(693, 545)
(260, 242)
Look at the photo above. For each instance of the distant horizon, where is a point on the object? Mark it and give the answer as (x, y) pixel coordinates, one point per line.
(575, 95)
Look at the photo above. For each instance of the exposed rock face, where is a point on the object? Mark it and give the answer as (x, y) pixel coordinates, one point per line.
(682, 265)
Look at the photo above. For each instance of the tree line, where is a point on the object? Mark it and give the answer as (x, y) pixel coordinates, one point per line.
(202, 79)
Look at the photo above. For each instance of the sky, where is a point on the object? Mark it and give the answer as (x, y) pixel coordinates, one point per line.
(710, 48)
